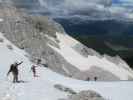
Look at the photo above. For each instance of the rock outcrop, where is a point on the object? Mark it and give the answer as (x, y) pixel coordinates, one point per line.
(86, 95)
(30, 32)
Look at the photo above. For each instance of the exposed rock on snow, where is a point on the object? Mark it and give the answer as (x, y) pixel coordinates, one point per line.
(64, 89)
(1, 40)
(86, 95)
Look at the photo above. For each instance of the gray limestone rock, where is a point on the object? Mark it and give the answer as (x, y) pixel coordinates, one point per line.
(86, 95)
(64, 89)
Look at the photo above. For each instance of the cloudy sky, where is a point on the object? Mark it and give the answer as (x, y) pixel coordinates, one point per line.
(90, 8)
(83, 8)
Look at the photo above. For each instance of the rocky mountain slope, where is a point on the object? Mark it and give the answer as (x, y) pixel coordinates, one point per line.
(50, 85)
(42, 38)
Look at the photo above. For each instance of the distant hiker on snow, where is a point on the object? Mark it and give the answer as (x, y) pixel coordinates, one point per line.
(95, 78)
(33, 68)
(15, 71)
(39, 61)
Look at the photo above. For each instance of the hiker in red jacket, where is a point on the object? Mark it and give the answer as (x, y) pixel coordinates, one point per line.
(15, 71)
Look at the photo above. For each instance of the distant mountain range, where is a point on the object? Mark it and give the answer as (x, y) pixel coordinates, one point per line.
(97, 27)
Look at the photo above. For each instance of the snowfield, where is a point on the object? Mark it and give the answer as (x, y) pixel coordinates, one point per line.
(42, 87)
(85, 63)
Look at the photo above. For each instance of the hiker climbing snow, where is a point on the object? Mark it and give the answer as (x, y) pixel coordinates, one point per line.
(33, 68)
(15, 71)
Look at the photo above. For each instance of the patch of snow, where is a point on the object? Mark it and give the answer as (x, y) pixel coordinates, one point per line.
(65, 39)
(50, 38)
(1, 20)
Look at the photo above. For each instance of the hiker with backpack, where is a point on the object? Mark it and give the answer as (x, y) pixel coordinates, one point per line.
(15, 71)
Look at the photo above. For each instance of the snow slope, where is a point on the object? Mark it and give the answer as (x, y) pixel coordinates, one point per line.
(38, 89)
(42, 88)
(85, 63)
